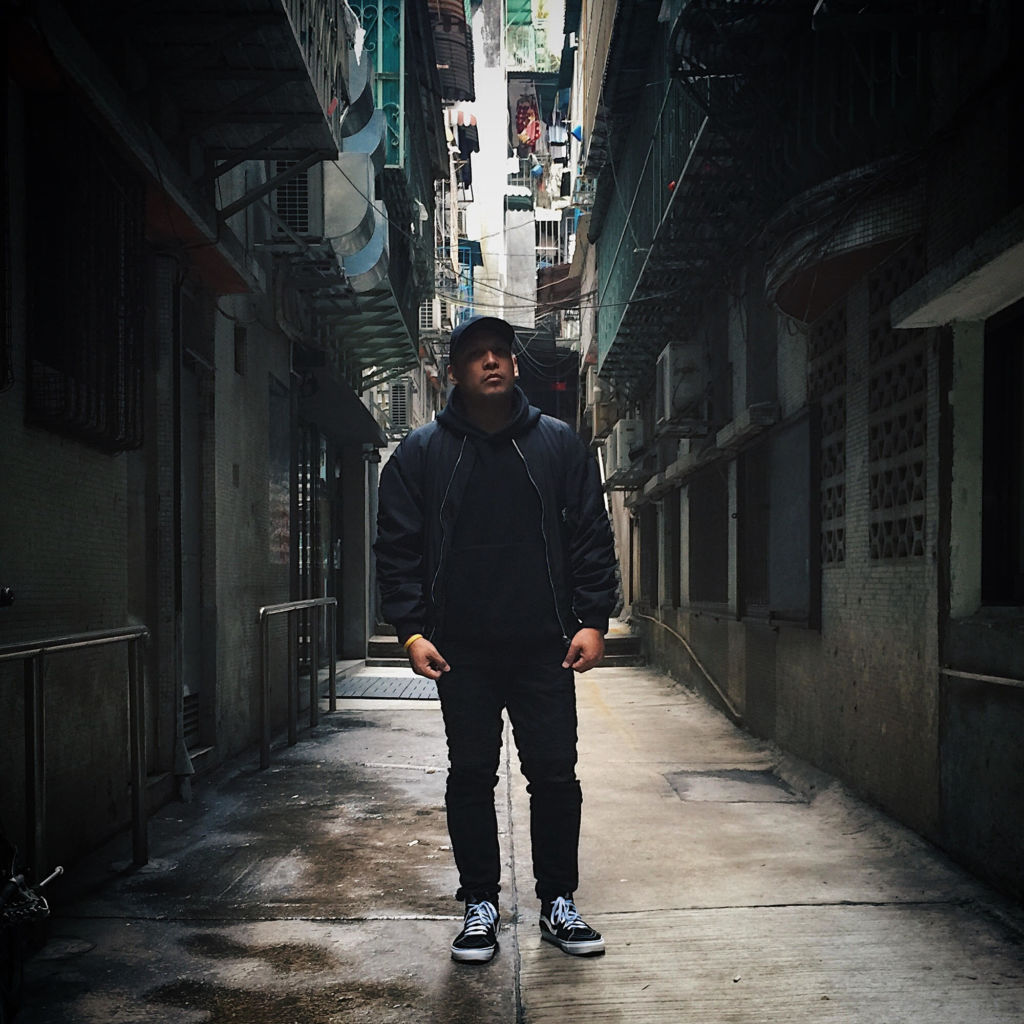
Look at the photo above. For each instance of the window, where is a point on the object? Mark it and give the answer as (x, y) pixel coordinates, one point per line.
(86, 254)
(6, 326)
(399, 405)
(777, 528)
(241, 344)
(673, 566)
(649, 554)
(1002, 516)
(709, 536)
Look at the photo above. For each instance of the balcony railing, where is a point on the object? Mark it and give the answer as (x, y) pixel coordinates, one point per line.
(645, 182)
(323, 34)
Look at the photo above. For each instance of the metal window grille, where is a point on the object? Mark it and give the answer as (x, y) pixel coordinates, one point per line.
(86, 288)
(548, 234)
(191, 719)
(427, 315)
(291, 200)
(399, 404)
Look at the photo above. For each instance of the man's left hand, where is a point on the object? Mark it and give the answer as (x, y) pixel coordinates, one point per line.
(585, 651)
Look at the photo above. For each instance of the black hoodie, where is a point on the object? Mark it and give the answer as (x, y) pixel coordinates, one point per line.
(496, 586)
(423, 490)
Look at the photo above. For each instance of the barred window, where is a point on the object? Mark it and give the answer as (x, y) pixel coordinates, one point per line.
(399, 405)
(85, 295)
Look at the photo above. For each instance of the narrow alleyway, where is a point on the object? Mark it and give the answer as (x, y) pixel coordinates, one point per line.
(731, 886)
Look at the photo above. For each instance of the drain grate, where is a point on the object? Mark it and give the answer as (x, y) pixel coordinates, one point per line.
(733, 786)
(388, 687)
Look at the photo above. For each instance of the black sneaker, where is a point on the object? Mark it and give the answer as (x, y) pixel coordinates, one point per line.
(478, 940)
(560, 923)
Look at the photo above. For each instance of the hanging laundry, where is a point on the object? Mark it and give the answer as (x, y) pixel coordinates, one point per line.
(469, 143)
(557, 135)
(528, 124)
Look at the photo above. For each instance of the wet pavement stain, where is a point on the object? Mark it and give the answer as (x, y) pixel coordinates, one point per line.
(353, 1003)
(327, 838)
(284, 957)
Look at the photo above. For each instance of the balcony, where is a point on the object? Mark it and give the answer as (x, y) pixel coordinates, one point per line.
(252, 79)
(667, 213)
(193, 93)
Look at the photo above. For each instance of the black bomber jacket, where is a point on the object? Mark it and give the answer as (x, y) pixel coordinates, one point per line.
(421, 489)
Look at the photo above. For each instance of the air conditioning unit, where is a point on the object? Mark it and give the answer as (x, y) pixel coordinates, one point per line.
(602, 418)
(595, 390)
(609, 458)
(299, 202)
(626, 434)
(679, 382)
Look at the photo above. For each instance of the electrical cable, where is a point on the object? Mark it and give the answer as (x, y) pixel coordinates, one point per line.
(528, 302)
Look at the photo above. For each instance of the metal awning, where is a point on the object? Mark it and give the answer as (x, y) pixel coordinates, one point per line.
(336, 409)
(373, 338)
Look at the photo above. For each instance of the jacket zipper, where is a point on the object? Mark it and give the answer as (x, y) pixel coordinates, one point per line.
(440, 552)
(544, 537)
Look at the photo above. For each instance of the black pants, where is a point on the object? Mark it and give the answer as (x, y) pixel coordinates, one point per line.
(540, 697)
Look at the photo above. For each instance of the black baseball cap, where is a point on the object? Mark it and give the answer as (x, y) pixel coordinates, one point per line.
(502, 328)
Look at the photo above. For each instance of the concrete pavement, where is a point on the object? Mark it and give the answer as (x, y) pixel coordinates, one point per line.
(732, 885)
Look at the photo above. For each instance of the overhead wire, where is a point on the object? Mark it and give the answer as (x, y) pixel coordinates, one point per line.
(527, 302)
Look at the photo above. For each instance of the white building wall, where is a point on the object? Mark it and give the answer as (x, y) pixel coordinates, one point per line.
(485, 215)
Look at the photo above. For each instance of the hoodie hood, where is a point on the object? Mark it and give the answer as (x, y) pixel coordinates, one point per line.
(524, 416)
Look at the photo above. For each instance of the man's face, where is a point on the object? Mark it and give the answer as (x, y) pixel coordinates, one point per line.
(484, 367)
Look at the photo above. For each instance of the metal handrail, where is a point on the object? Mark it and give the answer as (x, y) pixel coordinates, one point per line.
(286, 608)
(33, 654)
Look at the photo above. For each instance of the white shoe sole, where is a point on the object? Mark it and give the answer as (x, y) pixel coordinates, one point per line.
(473, 956)
(591, 947)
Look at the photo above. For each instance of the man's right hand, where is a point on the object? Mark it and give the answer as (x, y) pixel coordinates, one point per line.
(426, 659)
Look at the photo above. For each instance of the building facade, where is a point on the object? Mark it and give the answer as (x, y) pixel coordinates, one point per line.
(210, 258)
(804, 240)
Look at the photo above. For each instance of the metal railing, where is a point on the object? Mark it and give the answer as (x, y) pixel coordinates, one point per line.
(286, 608)
(33, 654)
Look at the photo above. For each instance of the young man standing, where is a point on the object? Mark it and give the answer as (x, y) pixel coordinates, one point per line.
(497, 568)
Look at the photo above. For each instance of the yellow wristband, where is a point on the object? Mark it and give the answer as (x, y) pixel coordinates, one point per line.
(408, 643)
